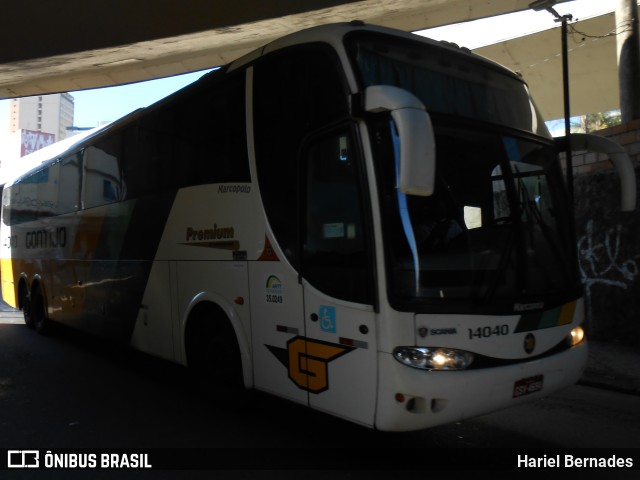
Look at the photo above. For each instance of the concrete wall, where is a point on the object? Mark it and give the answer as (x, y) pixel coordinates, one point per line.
(609, 242)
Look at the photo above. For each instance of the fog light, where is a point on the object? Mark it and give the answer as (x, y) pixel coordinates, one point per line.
(427, 358)
(575, 336)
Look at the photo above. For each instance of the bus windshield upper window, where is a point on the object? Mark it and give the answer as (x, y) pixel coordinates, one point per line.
(446, 81)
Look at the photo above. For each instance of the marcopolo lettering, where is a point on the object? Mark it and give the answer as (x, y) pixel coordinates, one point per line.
(234, 189)
(525, 307)
(46, 238)
(215, 233)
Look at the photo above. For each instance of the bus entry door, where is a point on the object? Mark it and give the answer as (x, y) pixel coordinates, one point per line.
(338, 356)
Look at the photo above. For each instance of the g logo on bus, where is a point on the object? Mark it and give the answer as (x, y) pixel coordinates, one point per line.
(307, 361)
(529, 343)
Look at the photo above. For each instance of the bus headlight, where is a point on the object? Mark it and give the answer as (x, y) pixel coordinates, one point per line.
(575, 336)
(427, 358)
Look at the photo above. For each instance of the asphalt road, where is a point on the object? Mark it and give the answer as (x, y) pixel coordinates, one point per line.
(73, 391)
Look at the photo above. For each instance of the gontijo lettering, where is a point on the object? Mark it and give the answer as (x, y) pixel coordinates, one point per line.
(46, 238)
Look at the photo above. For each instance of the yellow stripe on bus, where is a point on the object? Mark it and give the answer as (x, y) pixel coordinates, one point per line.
(8, 288)
(566, 314)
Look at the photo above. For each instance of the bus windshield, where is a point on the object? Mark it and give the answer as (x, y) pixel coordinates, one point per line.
(495, 235)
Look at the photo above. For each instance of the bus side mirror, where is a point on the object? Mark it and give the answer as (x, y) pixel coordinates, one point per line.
(619, 157)
(415, 132)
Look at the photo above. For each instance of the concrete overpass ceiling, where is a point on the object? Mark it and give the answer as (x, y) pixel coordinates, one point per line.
(51, 47)
(593, 69)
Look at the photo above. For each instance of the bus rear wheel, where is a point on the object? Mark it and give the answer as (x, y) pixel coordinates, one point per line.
(38, 313)
(25, 304)
(214, 361)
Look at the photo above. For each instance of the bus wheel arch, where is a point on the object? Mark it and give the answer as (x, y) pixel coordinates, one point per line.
(213, 352)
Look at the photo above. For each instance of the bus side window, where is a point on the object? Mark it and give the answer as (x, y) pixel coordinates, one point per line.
(47, 190)
(210, 134)
(101, 179)
(148, 155)
(24, 208)
(69, 184)
(295, 93)
(6, 205)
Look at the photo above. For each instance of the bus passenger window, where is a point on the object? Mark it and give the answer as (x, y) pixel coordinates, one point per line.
(101, 178)
(48, 190)
(69, 184)
(296, 93)
(19, 198)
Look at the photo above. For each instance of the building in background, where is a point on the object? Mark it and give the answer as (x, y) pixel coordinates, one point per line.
(42, 113)
(34, 123)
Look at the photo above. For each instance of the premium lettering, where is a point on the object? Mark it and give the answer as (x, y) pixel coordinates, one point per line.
(215, 233)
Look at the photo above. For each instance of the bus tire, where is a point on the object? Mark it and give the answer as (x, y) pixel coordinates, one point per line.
(38, 313)
(214, 360)
(25, 304)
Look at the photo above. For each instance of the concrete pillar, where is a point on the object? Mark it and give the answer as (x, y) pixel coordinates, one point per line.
(628, 45)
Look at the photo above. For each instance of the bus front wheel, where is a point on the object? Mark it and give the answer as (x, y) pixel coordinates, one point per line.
(214, 360)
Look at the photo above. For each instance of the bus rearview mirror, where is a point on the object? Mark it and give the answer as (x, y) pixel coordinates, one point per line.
(417, 147)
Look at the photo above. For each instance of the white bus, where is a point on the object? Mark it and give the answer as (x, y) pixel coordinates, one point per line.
(354, 218)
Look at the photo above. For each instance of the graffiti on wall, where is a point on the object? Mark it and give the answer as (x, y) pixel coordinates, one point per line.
(601, 262)
(33, 141)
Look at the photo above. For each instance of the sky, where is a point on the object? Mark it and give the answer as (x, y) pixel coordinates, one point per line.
(107, 104)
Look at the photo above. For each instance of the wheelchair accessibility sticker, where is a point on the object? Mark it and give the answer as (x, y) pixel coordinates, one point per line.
(327, 319)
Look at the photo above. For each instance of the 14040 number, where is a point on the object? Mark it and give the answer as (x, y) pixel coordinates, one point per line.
(486, 332)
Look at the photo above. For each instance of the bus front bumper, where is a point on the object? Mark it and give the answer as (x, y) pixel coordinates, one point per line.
(413, 399)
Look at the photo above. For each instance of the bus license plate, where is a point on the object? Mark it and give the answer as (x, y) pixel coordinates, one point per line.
(526, 386)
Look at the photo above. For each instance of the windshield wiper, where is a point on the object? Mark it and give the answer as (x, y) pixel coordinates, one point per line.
(505, 258)
(534, 216)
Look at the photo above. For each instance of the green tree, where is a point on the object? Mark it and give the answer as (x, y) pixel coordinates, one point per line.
(597, 121)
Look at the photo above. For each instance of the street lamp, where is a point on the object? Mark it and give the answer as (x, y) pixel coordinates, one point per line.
(563, 19)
